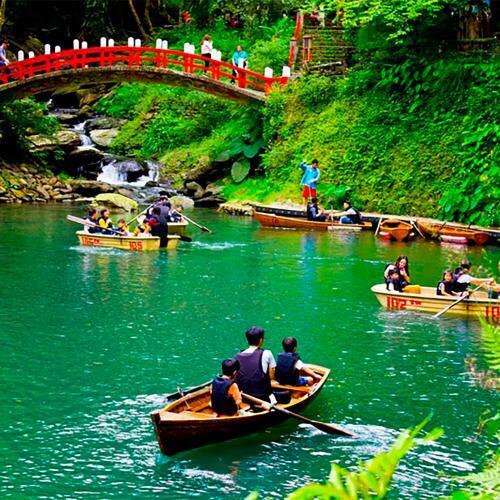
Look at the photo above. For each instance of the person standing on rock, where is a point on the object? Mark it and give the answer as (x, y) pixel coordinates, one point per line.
(206, 50)
(309, 180)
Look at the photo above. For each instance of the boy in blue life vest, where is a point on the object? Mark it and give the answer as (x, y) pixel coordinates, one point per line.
(224, 393)
(289, 366)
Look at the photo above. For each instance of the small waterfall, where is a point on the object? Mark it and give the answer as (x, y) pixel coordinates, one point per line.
(153, 174)
(79, 128)
(112, 175)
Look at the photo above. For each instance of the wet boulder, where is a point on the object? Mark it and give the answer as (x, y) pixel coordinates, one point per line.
(115, 200)
(103, 137)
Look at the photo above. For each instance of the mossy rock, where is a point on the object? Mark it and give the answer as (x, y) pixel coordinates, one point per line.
(117, 201)
(18, 193)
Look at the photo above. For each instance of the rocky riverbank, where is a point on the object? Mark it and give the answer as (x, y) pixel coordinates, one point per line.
(27, 184)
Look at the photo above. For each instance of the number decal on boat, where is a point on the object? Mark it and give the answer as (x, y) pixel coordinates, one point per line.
(493, 313)
(400, 304)
(136, 245)
(88, 241)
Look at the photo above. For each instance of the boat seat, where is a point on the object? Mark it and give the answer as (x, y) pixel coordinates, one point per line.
(299, 388)
(412, 289)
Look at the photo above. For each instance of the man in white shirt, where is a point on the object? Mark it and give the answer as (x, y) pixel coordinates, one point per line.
(256, 366)
(465, 279)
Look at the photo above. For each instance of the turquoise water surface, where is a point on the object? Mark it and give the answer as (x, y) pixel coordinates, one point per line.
(92, 339)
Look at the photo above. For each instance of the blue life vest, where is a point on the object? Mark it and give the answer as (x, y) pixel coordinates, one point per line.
(286, 373)
(222, 403)
(251, 377)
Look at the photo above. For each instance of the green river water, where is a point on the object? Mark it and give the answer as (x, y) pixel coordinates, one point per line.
(92, 338)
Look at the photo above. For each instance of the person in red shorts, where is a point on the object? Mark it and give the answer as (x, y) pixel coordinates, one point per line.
(309, 180)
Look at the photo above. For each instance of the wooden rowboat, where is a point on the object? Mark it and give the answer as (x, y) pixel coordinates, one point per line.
(273, 220)
(424, 299)
(435, 230)
(190, 422)
(396, 229)
(134, 243)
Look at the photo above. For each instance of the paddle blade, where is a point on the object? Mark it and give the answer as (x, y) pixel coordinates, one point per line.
(331, 429)
(185, 238)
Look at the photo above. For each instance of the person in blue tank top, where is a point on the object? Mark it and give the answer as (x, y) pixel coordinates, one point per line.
(289, 366)
(225, 395)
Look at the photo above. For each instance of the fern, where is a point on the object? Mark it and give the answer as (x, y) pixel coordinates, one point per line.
(373, 478)
(491, 345)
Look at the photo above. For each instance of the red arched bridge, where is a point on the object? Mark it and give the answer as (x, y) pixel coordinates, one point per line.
(107, 63)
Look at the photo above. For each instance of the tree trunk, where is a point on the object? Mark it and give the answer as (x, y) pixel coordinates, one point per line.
(3, 5)
(137, 20)
(149, 24)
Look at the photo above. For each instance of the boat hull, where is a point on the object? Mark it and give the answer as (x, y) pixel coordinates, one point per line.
(133, 243)
(396, 229)
(177, 227)
(427, 301)
(176, 433)
(273, 220)
(434, 230)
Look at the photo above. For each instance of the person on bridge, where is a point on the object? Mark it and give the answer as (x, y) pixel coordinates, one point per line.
(256, 367)
(309, 180)
(206, 50)
(3, 53)
(239, 55)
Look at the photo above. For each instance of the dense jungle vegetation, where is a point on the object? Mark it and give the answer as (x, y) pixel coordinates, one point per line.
(411, 128)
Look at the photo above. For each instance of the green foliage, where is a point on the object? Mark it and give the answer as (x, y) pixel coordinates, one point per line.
(491, 345)
(417, 138)
(18, 120)
(240, 170)
(373, 478)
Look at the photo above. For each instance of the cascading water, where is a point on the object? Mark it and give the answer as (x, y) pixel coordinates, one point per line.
(79, 128)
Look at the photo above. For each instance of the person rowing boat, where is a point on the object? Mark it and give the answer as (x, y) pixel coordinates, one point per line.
(350, 215)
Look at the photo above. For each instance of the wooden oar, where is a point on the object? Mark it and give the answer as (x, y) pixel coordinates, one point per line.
(322, 426)
(85, 222)
(378, 226)
(447, 308)
(183, 392)
(203, 228)
(414, 224)
(140, 213)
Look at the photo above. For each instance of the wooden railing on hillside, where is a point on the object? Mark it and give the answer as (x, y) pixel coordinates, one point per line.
(136, 57)
(295, 41)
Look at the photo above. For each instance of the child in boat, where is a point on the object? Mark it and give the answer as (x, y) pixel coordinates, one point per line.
(105, 222)
(224, 392)
(143, 228)
(445, 286)
(289, 366)
(123, 228)
(402, 267)
(92, 217)
(394, 282)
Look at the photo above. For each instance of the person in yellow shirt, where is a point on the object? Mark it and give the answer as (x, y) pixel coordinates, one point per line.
(105, 222)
